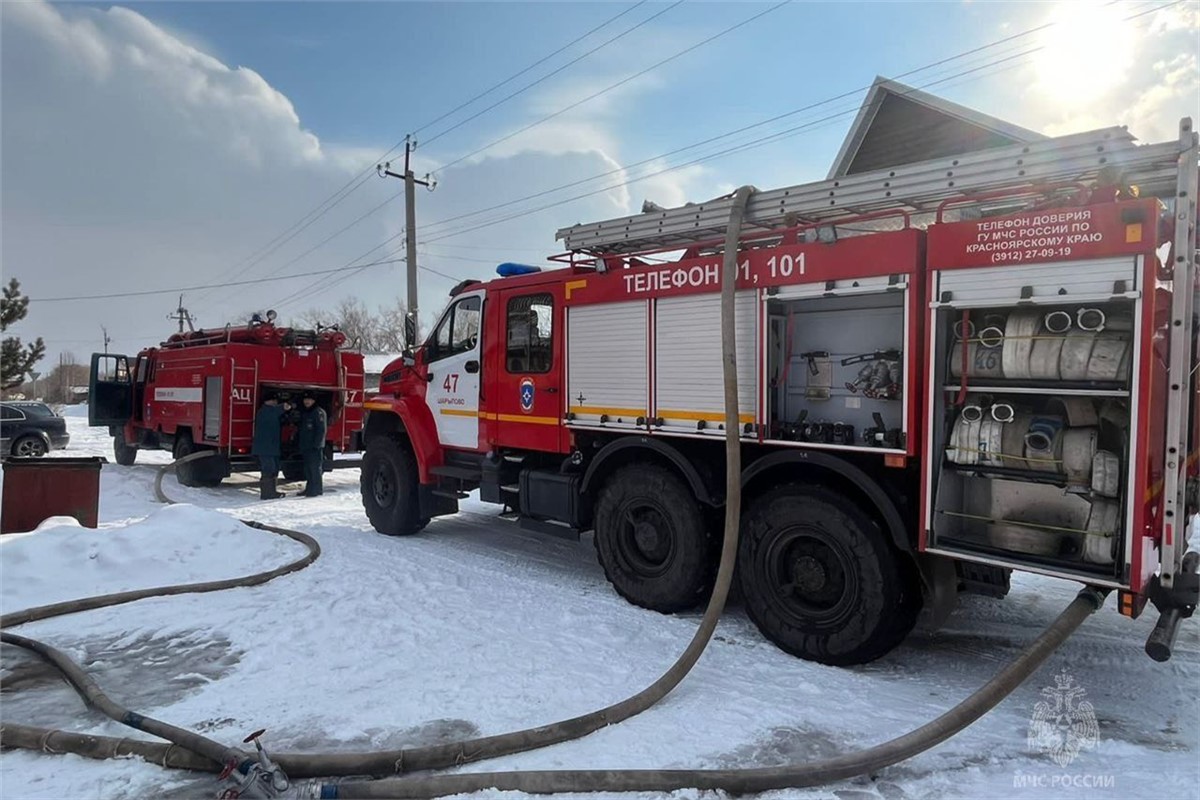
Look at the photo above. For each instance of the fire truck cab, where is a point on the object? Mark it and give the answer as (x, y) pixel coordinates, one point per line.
(200, 390)
(941, 380)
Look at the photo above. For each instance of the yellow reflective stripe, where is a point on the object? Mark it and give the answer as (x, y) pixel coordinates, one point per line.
(522, 418)
(458, 412)
(707, 416)
(378, 406)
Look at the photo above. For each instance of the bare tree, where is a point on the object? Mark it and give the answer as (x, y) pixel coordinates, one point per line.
(381, 332)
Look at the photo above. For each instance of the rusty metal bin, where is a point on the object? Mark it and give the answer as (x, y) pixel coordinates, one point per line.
(38, 488)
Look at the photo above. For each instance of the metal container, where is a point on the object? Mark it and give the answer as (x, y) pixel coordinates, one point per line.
(38, 488)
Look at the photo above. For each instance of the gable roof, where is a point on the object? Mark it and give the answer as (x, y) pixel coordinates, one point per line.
(898, 124)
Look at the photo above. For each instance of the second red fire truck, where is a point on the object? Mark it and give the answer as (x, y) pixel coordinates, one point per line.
(200, 390)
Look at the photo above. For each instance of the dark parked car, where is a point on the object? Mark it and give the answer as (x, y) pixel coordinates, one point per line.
(30, 429)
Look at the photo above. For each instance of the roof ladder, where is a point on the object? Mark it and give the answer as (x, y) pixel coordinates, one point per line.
(911, 187)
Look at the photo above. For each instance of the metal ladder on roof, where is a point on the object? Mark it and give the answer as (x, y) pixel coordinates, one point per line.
(918, 187)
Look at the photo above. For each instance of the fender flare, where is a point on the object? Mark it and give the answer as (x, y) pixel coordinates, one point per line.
(861, 479)
(415, 421)
(687, 469)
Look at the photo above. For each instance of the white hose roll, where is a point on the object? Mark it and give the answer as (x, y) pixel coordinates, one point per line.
(1108, 354)
(964, 441)
(1115, 413)
(982, 362)
(990, 442)
(964, 331)
(1075, 354)
(1043, 444)
(1106, 473)
(1104, 523)
(1044, 358)
(1078, 452)
(1080, 412)
(1012, 441)
(1019, 331)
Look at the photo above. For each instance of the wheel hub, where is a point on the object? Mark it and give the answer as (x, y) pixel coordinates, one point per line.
(646, 537)
(809, 575)
(646, 543)
(381, 485)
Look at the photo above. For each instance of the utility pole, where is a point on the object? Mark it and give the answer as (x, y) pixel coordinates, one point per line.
(182, 315)
(410, 231)
(104, 330)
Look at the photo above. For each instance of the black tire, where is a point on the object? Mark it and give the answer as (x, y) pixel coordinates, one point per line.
(124, 454)
(388, 484)
(292, 470)
(195, 473)
(652, 540)
(29, 447)
(820, 579)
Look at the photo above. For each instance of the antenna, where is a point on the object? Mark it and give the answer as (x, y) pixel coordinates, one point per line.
(107, 340)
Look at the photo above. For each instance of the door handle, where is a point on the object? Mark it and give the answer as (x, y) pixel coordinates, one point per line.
(471, 366)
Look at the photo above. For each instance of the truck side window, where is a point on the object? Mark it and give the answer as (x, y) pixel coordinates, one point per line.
(530, 321)
(458, 331)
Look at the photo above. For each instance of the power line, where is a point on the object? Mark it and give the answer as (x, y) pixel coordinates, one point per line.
(362, 177)
(768, 139)
(777, 136)
(176, 289)
(549, 75)
(516, 75)
(619, 83)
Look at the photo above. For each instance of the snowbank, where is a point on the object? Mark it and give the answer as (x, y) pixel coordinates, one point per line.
(78, 411)
(62, 560)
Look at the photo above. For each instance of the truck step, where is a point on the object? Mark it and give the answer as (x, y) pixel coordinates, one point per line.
(451, 493)
(559, 529)
(512, 488)
(461, 473)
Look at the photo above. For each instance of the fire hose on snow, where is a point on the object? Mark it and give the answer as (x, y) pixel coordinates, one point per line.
(260, 775)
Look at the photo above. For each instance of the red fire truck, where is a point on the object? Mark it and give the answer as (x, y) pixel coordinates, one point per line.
(947, 371)
(200, 390)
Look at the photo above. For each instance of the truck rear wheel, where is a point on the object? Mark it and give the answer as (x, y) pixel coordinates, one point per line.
(388, 483)
(652, 540)
(123, 453)
(820, 579)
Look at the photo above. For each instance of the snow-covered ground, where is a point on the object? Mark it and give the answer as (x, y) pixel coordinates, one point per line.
(474, 627)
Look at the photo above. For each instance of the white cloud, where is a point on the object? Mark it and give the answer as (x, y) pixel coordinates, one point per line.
(133, 159)
(1100, 68)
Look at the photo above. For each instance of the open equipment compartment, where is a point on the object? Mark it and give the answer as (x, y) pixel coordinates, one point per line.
(836, 361)
(1034, 383)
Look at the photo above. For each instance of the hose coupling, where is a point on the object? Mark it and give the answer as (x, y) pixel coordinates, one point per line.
(244, 778)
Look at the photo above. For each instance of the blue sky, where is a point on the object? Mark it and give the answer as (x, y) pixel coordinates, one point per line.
(162, 145)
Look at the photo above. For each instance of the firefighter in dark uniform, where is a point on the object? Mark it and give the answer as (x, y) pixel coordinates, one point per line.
(311, 441)
(266, 446)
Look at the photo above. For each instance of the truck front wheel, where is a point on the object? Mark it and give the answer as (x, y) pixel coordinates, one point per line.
(652, 540)
(124, 454)
(388, 484)
(820, 579)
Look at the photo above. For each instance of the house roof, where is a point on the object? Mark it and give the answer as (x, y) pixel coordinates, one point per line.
(898, 124)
